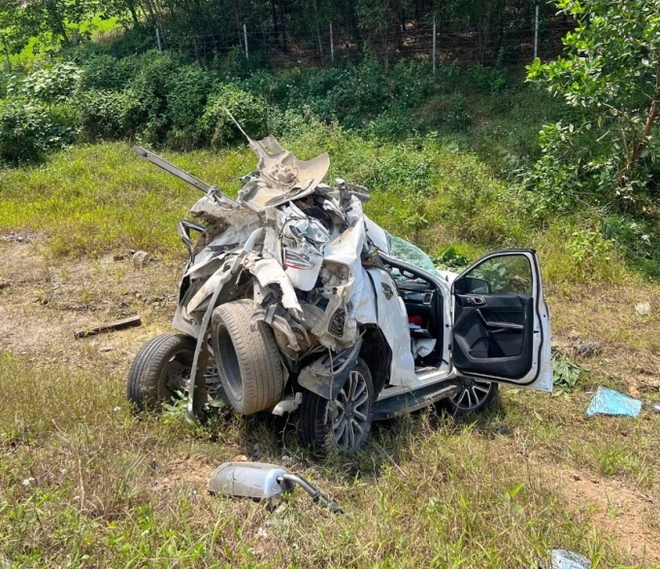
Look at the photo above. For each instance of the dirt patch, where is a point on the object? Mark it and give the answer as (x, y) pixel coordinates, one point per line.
(193, 472)
(630, 343)
(618, 512)
(44, 300)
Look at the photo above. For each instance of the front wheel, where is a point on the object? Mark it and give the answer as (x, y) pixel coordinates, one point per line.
(160, 370)
(342, 425)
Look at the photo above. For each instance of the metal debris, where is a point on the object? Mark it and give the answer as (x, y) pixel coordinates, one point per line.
(643, 308)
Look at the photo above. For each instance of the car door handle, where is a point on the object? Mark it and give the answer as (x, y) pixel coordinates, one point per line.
(500, 326)
(476, 300)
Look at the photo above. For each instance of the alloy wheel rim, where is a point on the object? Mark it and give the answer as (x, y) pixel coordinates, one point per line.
(352, 409)
(471, 396)
(177, 375)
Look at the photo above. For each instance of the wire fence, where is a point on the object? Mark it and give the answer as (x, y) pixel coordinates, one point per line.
(427, 42)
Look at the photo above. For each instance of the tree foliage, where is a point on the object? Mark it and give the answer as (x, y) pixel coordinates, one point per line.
(610, 76)
(206, 27)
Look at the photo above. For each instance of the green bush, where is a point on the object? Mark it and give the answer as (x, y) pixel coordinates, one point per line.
(108, 114)
(249, 110)
(107, 73)
(187, 93)
(4, 83)
(49, 85)
(445, 111)
(29, 130)
(150, 85)
(411, 83)
(487, 79)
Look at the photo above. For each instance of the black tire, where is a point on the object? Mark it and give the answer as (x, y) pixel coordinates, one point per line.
(474, 397)
(159, 370)
(249, 362)
(319, 419)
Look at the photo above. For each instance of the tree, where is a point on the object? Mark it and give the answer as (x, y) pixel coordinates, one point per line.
(611, 71)
(13, 36)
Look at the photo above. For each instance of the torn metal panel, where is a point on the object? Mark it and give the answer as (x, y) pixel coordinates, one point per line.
(269, 271)
(302, 265)
(327, 374)
(377, 235)
(282, 177)
(219, 278)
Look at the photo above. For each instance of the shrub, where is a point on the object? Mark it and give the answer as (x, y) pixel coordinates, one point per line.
(108, 114)
(28, 130)
(448, 111)
(150, 86)
(48, 85)
(487, 79)
(187, 93)
(249, 110)
(104, 72)
(411, 83)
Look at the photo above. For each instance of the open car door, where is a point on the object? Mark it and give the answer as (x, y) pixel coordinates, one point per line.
(501, 325)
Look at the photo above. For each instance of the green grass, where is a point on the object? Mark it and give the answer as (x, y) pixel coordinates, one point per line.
(96, 198)
(82, 480)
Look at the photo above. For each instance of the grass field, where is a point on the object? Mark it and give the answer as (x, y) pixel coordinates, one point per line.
(84, 482)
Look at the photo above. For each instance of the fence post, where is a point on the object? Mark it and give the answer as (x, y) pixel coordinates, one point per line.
(536, 32)
(247, 55)
(332, 46)
(160, 47)
(435, 37)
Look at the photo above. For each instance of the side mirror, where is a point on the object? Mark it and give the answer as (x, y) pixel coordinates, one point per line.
(470, 285)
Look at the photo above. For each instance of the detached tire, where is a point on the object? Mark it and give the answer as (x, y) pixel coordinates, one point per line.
(249, 363)
(340, 426)
(160, 369)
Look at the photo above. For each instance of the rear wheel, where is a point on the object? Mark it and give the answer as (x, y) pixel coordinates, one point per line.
(249, 363)
(342, 425)
(160, 370)
(473, 397)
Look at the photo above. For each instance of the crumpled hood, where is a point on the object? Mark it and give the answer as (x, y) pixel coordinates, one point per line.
(282, 177)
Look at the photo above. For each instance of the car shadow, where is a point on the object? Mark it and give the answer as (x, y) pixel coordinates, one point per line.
(267, 438)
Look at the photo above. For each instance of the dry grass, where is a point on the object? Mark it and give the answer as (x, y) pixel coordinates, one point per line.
(83, 482)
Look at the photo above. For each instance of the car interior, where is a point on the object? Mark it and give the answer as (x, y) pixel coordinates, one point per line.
(424, 305)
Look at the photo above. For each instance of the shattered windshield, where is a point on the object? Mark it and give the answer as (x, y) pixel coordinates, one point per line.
(404, 251)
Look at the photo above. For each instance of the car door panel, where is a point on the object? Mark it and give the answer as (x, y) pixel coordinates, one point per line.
(501, 326)
(490, 338)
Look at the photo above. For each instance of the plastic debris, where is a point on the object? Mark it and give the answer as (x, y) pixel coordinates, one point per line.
(610, 402)
(563, 559)
(643, 308)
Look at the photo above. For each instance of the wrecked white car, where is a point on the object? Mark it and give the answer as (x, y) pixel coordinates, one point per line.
(294, 301)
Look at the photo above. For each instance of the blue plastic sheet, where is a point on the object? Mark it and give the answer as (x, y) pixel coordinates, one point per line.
(610, 402)
(562, 559)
